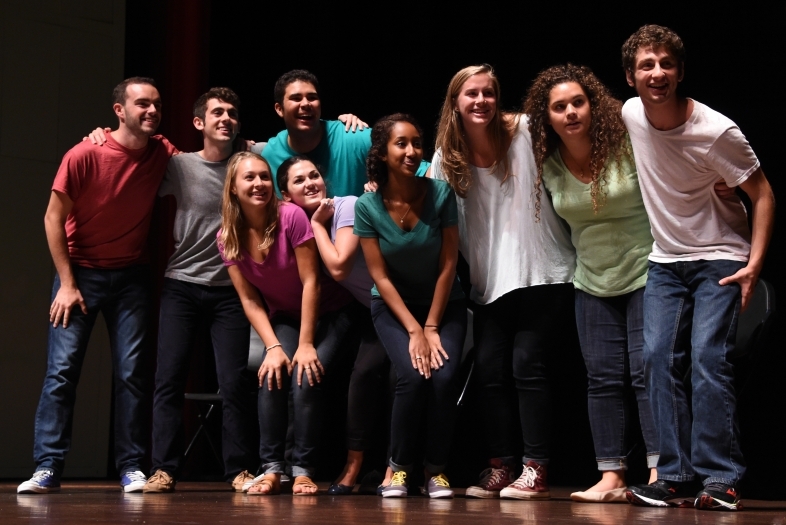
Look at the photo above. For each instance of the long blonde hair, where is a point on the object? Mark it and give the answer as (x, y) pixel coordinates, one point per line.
(233, 223)
(450, 133)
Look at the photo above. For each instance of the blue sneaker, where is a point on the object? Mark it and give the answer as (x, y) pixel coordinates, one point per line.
(397, 488)
(437, 487)
(133, 481)
(42, 482)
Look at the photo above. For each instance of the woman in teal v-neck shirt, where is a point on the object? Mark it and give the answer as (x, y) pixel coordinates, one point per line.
(409, 235)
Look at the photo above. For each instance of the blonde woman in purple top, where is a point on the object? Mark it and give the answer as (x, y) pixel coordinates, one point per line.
(300, 314)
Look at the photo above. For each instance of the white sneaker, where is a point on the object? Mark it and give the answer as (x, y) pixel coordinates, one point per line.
(133, 481)
(42, 482)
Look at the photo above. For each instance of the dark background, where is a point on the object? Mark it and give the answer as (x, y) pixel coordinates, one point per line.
(385, 57)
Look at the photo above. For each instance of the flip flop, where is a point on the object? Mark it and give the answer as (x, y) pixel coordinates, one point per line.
(303, 481)
(271, 481)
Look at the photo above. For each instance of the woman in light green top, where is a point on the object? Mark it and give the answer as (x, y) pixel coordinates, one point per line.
(584, 159)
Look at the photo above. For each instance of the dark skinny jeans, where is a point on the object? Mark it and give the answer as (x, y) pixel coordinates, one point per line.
(517, 329)
(417, 396)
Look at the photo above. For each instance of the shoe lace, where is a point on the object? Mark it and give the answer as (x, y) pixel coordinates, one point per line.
(399, 479)
(136, 475)
(527, 478)
(492, 476)
(42, 474)
(441, 480)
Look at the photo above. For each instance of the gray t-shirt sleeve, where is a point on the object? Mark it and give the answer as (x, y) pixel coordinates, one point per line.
(258, 147)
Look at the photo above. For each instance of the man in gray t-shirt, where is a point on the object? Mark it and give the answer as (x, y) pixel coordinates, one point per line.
(197, 291)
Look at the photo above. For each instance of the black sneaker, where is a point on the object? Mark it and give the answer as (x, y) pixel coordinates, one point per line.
(660, 493)
(718, 496)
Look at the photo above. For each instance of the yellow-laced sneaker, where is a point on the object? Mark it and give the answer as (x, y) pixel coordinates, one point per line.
(438, 487)
(397, 488)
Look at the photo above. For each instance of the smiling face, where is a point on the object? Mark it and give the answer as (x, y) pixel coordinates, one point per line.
(476, 102)
(301, 107)
(404, 150)
(253, 184)
(221, 123)
(569, 111)
(141, 111)
(655, 75)
(305, 186)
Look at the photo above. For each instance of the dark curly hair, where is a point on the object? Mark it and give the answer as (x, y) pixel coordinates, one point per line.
(376, 168)
(654, 36)
(607, 131)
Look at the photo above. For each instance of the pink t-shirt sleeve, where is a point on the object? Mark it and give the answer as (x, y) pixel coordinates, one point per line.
(296, 224)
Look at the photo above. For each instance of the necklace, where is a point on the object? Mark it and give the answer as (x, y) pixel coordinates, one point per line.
(401, 217)
(577, 165)
(260, 244)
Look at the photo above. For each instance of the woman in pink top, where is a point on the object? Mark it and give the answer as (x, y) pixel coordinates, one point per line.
(300, 314)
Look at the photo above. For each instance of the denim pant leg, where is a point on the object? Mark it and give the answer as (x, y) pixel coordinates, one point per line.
(230, 332)
(273, 405)
(366, 386)
(715, 439)
(538, 311)
(127, 315)
(409, 401)
(493, 355)
(668, 311)
(635, 314)
(309, 400)
(65, 355)
(444, 388)
(609, 331)
(179, 319)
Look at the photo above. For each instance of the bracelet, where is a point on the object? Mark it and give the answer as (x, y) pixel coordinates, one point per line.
(435, 326)
(273, 346)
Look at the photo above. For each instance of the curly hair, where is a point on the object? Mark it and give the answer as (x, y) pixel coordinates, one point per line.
(450, 133)
(233, 222)
(221, 93)
(376, 168)
(607, 131)
(654, 36)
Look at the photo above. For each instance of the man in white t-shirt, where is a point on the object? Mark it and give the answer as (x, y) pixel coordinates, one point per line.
(704, 266)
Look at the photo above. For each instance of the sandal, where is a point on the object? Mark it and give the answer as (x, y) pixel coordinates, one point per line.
(303, 482)
(270, 482)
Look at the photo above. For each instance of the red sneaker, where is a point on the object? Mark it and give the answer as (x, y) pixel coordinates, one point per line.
(532, 484)
(492, 480)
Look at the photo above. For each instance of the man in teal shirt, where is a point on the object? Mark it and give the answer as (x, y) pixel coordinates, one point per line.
(341, 155)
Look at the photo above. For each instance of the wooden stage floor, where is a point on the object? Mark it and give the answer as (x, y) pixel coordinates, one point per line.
(212, 503)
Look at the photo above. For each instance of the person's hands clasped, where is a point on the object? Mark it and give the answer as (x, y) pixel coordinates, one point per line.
(274, 365)
(65, 299)
(420, 354)
(305, 361)
(324, 212)
(437, 355)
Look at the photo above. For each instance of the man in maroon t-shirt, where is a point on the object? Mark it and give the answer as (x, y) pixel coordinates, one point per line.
(96, 224)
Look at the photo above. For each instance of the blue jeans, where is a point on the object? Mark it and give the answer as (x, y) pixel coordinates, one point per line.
(691, 319)
(417, 396)
(123, 297)
(184, 307)
(307, 400)
(611, 335)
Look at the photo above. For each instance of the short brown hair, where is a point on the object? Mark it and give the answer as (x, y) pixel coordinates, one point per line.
(119, 94)
(654, 36)
(220, 93)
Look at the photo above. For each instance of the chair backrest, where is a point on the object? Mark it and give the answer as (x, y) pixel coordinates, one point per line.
(755, 320)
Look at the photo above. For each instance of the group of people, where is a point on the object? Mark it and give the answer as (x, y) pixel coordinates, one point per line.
(333, 235)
